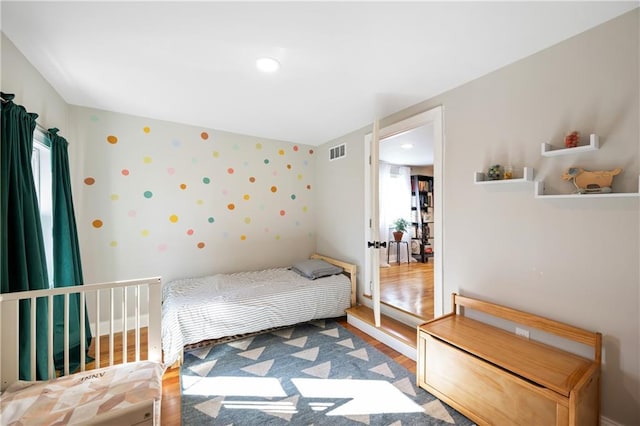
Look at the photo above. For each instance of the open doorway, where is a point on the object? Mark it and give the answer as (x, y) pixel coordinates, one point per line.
(406, 199)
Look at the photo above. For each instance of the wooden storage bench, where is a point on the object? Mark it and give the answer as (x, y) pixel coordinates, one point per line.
(496, 377)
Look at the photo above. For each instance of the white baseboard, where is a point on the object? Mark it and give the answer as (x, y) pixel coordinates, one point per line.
(383, 337)
(604, 421)
(117, 325)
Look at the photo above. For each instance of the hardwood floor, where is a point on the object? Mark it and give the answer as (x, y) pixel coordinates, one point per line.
(408, 287)
(171, 414)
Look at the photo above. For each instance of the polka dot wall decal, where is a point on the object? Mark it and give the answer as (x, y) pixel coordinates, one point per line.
(189, 231)
(247, 220)
(266, 161)
(94, 118)
(113, 244)
(282, 213)
(275, 173)
(225, 192)
(162, 247)
(201, 245)
(252, 179)
(97, 223)
(236, 147)
(173, 218)
(305, 163)
(289, 166)
(146, 129)
(206, 180)
(299, 177)
(199, 202)
(245, 163)
(230, 170)
(305, 209)
(204, 136)
(144, 233)
(176, 143)
(274, 189)
(215, 154)
(266, 230)
(148, 194)
(194, 160)
(183, 186)
(246, 197)
(308, 186)
(115, 197)
(281, 152)
(89, 181)
(171, 171)
(258, 146)
(112, 139)
(293, 196)
(125, 172)
(231, 206)
(132, 213)
(295, 148)
(278, 237)
(211, 219)
(147, 160)
(243, 237)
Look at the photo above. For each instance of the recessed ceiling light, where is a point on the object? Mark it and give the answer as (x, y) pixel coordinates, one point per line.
(406, 146)
(267, 64)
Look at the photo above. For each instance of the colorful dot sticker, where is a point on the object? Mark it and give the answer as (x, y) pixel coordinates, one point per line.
(148, 194)
(173, 218)
(243, 237)
(299, 177)
(311, 151)
(115, 197)
(204, 136)
(293, 196)
(295, 148)
(308, 186)
(281, 152)
(206, 180)
(266, 161)
(176, 143)
(112, 139)
(162, 247)
(247, 220)
(146, 129)
(289, 166)
(113, 244)
(305, 209)
(246, 197)
(282, 213)
(144, 233)
(190, 231)
(277, 237)
(183, 186)
(258, 146)
(252, 179)
(199, 202)
(147, 160)
(230, 170)
(125, 172)
(89, 181)
(274, 189)
(132, 213)
(211, 219)
(201, 245)
(231, 206)
(171, 171)
(97, 223)
(215, 154)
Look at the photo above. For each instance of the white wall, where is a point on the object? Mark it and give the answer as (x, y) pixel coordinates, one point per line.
(570, 260)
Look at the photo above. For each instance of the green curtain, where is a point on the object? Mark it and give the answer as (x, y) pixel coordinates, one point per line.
(67, 267)
(23, 263)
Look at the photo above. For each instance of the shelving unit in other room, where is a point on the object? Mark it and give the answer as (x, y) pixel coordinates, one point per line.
(480, 178)
(422, 206)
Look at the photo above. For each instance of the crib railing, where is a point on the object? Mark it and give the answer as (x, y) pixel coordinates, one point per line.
(123, 300)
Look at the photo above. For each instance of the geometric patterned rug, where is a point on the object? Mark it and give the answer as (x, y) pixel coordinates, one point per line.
(316, 373)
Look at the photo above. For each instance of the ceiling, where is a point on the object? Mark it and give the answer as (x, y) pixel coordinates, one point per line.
(343, 63)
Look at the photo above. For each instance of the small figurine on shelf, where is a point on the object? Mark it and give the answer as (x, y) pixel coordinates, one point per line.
(598, 182)
(572, 139)
(495, 172)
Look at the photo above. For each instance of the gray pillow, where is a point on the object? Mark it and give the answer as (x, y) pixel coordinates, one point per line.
(315, 268)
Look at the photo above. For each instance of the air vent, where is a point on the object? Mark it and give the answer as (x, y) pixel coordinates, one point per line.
(338, 151)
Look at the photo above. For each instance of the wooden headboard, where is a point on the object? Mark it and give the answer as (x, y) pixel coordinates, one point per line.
(349, 269)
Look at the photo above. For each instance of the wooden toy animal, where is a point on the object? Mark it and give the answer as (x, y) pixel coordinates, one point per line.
(591, 182)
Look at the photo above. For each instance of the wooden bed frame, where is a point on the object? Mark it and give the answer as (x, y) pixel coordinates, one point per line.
(349, 269)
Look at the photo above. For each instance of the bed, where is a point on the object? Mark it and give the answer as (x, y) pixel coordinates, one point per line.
(221, 305)
(127, 390)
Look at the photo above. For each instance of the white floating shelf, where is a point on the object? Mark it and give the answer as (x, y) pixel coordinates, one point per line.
(539, 188)
(481, 179)
(594, 144)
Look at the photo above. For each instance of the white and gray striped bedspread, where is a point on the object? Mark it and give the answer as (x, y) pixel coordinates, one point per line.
(197, 309)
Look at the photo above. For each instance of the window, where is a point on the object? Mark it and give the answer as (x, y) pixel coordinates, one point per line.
(41, 165)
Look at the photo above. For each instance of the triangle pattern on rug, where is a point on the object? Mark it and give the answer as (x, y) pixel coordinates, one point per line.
(321, 370)
(331, 332)
(360, 354)
(299, 342)
(437, 410)
(406, 386)
(210, 407)
(201, 353)
(260, 369)
(319, 323)
(347, 343)
(241, 344)
(203, 369)
(285, 334)
(253, 354)
(309, 354)
(363, 418)
(283, 414)
(384, 370)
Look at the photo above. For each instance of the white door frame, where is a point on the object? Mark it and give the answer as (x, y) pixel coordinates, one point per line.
(434, 116)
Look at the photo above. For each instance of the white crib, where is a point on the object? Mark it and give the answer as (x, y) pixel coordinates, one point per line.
(116, 308)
